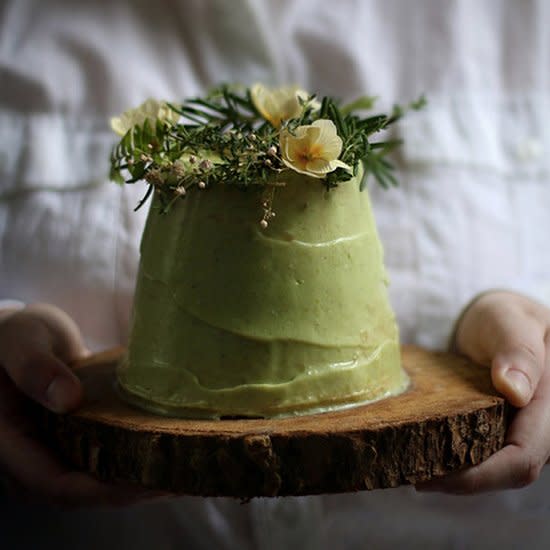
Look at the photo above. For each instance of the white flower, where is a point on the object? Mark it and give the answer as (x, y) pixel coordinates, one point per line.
(151, 110)
(313, 149)
(279, 104)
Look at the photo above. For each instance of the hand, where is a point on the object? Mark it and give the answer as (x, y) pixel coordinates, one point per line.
(511, 334)
(36, 343)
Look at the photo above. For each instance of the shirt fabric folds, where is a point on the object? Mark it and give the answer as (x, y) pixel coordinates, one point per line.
(471, 212)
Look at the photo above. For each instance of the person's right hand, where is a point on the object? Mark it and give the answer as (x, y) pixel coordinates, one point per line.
(36, 345)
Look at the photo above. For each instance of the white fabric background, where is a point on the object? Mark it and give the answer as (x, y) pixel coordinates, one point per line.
(471, 212)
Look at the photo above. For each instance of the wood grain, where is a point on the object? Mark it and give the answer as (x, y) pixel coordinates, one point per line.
(450, 418)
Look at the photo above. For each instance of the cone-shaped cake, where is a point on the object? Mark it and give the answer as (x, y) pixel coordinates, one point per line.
(233, 317)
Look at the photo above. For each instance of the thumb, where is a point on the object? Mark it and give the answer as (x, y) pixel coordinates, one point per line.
(517, 369)
(518, 356)
(507, 332)
(45, 379)
(35, 344)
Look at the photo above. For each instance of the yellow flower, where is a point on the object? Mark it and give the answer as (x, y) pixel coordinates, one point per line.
(151, 110)
(313, 149)
(279, 104)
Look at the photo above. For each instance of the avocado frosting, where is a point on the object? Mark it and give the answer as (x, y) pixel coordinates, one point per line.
(231, 319)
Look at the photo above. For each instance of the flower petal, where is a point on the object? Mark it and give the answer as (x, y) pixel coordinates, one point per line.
(339, 164)
(289, 145)
(148, 109)
(312, 149)
(118, 126)
(311, 134)
(320, 167)
(286, 99)
(269, 103)
(328, 138)
(302, 170)
(277, 104)
(151, 110)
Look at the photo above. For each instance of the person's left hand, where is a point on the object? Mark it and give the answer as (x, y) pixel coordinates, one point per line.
(510, 333)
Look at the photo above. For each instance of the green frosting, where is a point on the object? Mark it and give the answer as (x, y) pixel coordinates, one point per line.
(232, 319)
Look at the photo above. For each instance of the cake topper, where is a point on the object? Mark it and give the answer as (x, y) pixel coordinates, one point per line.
(250, 137)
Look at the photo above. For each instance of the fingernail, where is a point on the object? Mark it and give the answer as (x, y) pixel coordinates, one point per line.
(519, 382)
(60, 394)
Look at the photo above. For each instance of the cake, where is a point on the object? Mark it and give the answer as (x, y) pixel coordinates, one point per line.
(261, 289)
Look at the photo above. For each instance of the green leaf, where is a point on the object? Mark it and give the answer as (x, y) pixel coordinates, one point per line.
(336, 117)
(419, 103)
(145, 197)
(324, 112)
(363, 103)
(116, 176)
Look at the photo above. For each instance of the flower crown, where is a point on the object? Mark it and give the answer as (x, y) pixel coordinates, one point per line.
(250, 137)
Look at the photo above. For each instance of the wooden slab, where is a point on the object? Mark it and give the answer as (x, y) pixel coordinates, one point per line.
(449, 419)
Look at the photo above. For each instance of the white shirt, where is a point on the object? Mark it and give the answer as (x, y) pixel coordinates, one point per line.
(471, 212)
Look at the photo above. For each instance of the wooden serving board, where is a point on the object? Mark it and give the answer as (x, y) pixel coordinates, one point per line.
(449, 419)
